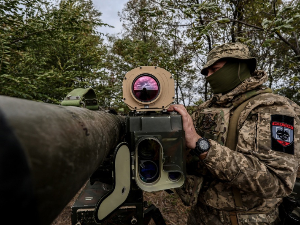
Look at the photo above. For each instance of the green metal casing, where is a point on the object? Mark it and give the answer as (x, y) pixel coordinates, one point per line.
(168, 130)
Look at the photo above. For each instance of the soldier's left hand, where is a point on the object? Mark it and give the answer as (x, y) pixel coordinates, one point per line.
(191, 136)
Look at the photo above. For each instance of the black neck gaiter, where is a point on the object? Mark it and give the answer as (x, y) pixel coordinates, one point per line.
(228, 77)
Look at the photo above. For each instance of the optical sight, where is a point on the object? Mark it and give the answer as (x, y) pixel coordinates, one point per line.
(155, 137)
(152, 158)
(148, 88)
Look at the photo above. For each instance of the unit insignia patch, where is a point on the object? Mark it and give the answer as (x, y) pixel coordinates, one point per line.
(282, 131)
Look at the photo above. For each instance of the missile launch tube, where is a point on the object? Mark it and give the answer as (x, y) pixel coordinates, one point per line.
(62, 146)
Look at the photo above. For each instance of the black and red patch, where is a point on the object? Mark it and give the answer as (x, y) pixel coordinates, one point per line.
(282, 132)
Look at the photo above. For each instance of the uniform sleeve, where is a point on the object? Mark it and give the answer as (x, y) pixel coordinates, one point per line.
(259, 165)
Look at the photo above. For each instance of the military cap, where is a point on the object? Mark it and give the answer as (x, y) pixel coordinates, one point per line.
(230, 50)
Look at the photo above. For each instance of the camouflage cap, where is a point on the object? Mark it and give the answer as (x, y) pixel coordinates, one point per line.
(229, 50)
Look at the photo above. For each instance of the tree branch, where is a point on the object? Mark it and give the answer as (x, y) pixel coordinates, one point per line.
(297, 51)
(247, 24)
(296, 40)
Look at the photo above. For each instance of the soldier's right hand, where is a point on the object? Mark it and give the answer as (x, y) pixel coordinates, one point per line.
(191, 136)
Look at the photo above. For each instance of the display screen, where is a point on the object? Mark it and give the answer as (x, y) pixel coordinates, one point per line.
(145, 88)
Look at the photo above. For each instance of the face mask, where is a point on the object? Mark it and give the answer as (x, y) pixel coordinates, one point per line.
(228, 77)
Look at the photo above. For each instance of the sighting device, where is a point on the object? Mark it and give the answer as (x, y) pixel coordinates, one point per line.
(151, 158)
(155, 137)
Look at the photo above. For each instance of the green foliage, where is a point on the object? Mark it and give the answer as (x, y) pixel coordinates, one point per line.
(151, 38)
(47, 50)
(269, 28)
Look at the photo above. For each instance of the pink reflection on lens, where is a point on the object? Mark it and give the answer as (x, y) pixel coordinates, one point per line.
(145, 82)
(145, 88)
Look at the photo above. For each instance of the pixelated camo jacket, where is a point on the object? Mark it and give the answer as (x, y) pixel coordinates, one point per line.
(264, 164)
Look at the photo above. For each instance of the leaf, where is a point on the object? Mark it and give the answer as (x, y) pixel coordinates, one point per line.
(297, 15)
(225, 20)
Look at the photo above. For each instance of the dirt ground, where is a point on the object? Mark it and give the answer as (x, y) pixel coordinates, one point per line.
(171, 207)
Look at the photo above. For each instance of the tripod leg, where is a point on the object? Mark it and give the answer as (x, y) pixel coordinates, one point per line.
(153, 212)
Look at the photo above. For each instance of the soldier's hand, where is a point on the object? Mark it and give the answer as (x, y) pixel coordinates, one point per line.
(191, 136)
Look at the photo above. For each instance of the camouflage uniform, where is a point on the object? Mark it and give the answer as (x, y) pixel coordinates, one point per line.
(262, 175)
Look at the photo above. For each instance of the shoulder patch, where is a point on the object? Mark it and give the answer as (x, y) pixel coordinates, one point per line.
(282, 132)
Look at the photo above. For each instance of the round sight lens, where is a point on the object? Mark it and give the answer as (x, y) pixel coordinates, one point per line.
(148, 171)
(174, 176)
(145, 88)
(149, 149)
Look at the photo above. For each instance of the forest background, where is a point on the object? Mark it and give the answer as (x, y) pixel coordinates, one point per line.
(47, 49)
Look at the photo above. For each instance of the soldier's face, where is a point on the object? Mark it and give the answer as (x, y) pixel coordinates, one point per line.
(215, 67)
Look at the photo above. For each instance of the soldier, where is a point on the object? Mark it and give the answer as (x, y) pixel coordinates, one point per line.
(244, 144)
